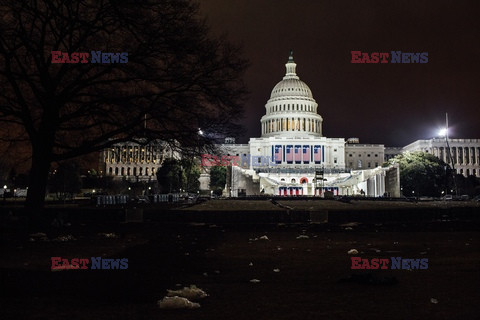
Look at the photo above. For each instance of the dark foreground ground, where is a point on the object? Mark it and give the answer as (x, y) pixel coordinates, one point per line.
(313, 280)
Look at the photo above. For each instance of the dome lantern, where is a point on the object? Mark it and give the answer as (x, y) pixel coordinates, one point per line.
(290, 66)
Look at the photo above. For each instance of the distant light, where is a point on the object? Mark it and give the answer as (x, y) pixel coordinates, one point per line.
(200, 132)
(5, 187)
(149, 188)
(443, 132)
(93, 191)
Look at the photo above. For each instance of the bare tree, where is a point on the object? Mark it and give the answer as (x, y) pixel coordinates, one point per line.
(177, 78)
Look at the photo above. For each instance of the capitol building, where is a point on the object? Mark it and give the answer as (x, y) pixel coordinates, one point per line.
(293, 157)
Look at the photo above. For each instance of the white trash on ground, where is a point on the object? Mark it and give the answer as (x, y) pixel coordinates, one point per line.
(39, 236)
(254, 281)
(197, 224)
(302, 236)
(352, 251)
(192, 293)
(433, 300)
(110, 235)
(66, 238)
(261, 238)
(350, 224)
(177, 303)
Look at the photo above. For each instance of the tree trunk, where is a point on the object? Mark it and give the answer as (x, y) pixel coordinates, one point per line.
(35, 201)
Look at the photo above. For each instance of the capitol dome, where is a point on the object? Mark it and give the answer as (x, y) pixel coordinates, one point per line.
(291, 87)
(291, 109)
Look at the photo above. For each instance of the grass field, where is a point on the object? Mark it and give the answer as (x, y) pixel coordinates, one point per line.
(300, 278)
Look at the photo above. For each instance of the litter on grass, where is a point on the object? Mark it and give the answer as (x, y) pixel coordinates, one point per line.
(302, 236)
(350, 224)
(108, 235)
(39, 236)
(261, 238)
(66, 238)
(177, 303)
(191, 293)
(197, 224)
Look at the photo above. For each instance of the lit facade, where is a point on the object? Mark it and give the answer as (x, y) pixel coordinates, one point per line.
(134, 161)
(465, 153)
(364, 156)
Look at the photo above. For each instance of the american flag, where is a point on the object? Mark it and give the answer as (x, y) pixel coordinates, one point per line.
(317, 154)
(278, 154)
(289, 154)
(306, 154)
(298, 154)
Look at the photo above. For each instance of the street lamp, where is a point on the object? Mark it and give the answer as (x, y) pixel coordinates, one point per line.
(444, 133)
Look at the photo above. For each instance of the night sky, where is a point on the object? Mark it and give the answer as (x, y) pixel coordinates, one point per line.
(393, 104)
